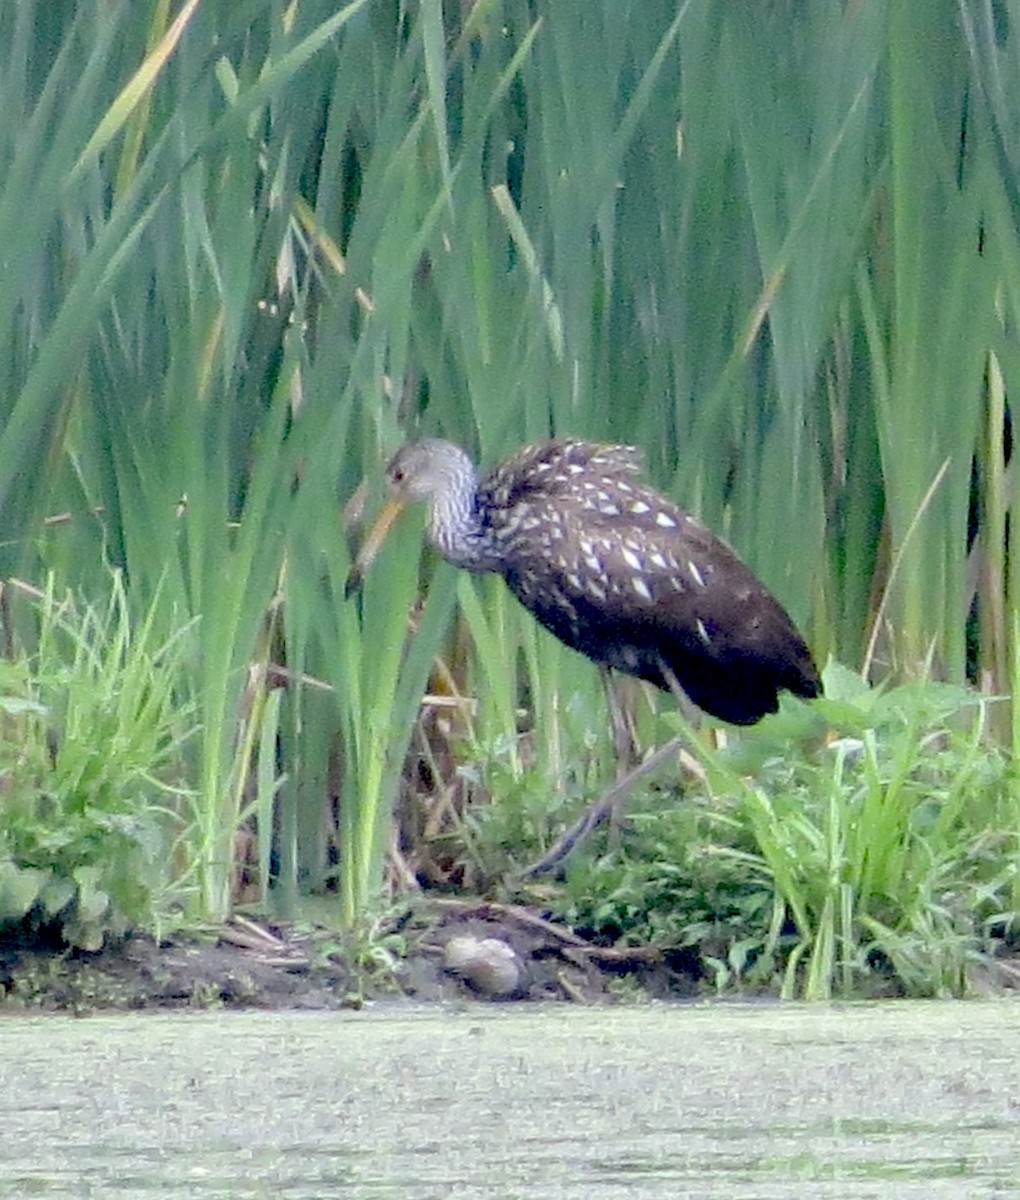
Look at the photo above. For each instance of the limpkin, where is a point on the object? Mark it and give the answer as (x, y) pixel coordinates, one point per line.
(609, 565)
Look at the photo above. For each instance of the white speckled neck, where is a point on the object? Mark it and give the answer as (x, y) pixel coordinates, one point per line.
(454, 523)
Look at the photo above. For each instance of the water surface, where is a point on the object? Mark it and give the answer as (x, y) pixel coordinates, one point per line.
(896, 1101)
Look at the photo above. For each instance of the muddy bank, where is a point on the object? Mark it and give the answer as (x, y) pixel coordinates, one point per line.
(439, 951)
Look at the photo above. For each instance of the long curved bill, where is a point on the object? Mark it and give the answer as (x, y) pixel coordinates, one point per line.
(392, 507)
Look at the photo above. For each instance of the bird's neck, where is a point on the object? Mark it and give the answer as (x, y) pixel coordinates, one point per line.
(455, 525)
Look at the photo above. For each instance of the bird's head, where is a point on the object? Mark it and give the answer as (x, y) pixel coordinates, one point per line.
(426, 470)
(431, 470)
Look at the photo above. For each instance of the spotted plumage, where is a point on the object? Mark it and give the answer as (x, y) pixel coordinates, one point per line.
(614, 569)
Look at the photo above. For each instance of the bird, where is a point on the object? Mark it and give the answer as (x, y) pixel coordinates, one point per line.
(614, 568)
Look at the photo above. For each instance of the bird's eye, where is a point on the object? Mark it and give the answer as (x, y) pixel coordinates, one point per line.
(398, 475)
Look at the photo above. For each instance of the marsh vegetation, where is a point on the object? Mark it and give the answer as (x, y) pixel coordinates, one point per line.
(250, 247)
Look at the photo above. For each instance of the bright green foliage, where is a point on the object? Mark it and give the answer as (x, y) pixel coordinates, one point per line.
(93, 745)
(881, 859)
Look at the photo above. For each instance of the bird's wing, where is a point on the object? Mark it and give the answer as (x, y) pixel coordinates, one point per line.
(545, 472)
(651, 587)
(661, 566)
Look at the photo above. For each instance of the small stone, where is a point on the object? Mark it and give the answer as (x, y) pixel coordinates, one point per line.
(488, 965)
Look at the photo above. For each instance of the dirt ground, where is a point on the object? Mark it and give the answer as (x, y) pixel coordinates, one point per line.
(437, 950)
(447, 950)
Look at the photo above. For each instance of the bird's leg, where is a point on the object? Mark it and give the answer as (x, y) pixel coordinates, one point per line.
(625, 749)
(690, 712)
(625, 746)
(611, 800)
(602, 808)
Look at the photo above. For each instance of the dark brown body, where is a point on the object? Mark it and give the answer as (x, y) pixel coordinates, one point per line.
(619, 572)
